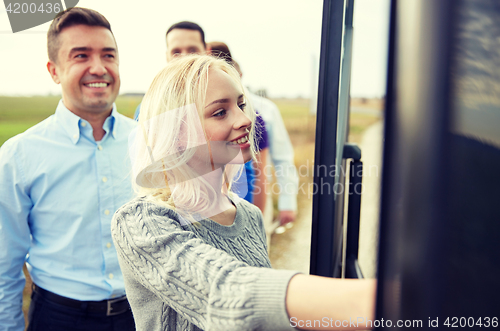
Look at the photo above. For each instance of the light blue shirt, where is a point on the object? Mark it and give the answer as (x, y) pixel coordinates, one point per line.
(59, 189)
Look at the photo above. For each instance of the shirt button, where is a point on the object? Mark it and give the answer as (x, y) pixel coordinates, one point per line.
(84, 124)
(106, 212)
(99, 147)
(104, 179)
(110, 276)
(108, 245)
(75, 136)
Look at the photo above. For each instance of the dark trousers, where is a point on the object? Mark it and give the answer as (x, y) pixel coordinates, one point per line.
(45, 315)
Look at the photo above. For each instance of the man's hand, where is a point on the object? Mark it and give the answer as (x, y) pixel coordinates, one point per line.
(287, 216)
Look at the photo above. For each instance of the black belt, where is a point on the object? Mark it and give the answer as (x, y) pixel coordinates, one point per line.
(105, 307)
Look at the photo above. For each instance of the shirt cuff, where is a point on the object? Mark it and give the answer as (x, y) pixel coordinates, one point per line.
(270, 298)
(287, 202)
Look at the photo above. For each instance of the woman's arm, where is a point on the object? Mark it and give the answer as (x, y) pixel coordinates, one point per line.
(338, 304)
(260, 190)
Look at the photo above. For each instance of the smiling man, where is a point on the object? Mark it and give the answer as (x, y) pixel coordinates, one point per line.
(61, 182)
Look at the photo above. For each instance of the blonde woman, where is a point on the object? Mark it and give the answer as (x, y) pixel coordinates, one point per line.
(193, 255)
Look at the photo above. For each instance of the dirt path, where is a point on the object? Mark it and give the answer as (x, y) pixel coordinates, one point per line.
(371, 147)
(291, 250)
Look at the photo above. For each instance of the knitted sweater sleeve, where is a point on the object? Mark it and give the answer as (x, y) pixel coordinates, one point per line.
(207, 286)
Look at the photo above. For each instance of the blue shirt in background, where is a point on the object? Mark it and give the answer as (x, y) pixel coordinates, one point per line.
(59, 190)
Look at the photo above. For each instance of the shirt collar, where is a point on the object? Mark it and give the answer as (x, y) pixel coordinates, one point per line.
(72, 123)
(110, 125)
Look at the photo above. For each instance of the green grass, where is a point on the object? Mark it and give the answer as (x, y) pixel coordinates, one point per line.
(358, 123)
(293, 108)
(17, 114)
(11, 128)
(127, 105)
(32, 109)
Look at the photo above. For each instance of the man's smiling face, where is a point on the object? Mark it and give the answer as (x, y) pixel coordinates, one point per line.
(87, 69)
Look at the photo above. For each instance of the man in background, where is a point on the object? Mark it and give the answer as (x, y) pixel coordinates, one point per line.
(282, 157)
(182, 38)
(61, 182)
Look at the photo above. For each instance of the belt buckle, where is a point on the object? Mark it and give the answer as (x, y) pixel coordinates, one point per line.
(109, 311)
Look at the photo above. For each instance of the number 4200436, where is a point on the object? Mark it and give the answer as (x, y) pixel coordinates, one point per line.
(25, 8)
(463, 322)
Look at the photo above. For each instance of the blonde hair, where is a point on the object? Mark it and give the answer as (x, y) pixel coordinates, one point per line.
(170, 128)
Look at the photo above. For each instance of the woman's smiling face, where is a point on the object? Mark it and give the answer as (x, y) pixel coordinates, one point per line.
(225, 123)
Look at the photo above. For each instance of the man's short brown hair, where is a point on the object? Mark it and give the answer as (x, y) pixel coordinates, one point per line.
(220, 50)
(186, 25)
(70, 17)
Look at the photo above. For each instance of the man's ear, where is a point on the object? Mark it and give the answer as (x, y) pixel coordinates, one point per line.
(52, 68)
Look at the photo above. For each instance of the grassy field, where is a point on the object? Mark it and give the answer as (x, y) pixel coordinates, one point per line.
(20, 113)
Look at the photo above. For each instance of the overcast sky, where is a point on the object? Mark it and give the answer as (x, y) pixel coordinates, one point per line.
(275, 42)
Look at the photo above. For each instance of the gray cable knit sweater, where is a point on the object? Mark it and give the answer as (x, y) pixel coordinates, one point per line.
(210, 277)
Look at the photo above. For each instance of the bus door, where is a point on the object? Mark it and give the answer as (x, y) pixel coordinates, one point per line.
(332, 151)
